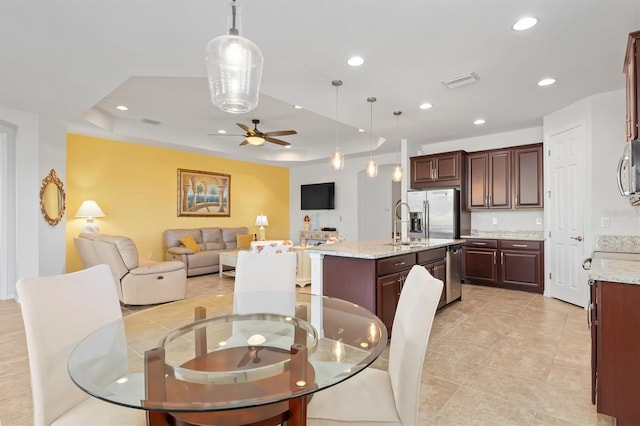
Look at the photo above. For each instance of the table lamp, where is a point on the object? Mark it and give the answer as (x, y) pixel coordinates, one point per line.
(261, 221)
(89, 209)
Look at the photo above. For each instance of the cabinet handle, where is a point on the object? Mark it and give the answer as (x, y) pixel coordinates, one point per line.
(399, 263)
(494, 257)
(516, 200)
(479, 244)
(590, 308)
(490, 200)
(486, 201)
(521, 245)
(501, 258)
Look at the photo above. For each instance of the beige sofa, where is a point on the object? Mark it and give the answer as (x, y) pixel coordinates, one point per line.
(139, 282)
(210, 241)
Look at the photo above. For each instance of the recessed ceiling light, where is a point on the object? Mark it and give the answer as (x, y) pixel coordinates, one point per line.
(222, 132)
(479, 121)
(297, 107)
(426, 105)
(361, 130)
(525, 23)
(546, 81)
(355, 61)
(122, 108)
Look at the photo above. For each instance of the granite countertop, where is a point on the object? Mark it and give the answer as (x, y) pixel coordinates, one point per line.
(620, 271)
(376, 249)
(506, 235)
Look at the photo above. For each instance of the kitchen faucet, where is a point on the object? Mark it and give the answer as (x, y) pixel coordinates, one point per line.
(400, 221)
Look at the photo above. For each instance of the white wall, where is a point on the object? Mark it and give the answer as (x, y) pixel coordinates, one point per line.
(480, 143)
(607, 143)
(26, 202)
(345, 216)
(53, 155)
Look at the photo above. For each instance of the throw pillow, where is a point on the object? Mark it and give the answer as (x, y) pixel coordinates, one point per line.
(190, 243)
(243, 241)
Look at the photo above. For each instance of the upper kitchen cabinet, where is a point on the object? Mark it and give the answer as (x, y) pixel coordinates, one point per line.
(505, 178)
(632, 75)
(528, 178)
(438, 170)
(489, 180)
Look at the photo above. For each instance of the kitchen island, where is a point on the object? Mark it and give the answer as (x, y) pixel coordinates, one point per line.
(615, 327)
(371, 273)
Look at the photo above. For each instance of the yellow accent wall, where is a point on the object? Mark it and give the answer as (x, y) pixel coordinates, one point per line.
(136, 187)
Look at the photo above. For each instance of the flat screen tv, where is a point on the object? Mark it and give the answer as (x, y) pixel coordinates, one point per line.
(317, 196)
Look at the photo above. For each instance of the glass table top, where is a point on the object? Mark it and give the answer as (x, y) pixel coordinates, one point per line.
(227, 352)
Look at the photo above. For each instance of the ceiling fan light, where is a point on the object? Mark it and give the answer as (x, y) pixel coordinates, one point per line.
(372, 168)
(337, 160)
(396, 174)
(255, 140)
(234, 70)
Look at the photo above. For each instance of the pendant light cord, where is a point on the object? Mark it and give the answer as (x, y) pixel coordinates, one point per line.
(371, 100)
(233, 30)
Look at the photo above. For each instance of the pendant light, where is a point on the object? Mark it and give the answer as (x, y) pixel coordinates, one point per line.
(372, 167)
(234, 68)
(337, 158)
(396, 174)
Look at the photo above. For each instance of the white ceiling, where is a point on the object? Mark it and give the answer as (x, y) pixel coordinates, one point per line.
(75, 60)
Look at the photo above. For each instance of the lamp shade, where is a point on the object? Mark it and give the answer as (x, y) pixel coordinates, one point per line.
(262, 220)
(89, 208)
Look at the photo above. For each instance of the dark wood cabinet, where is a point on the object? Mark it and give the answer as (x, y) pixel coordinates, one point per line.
(391, 274)
(505, 178)
(527, 177)
(376, 284)
(633, 84)
(435, 261)
(388, 290)
(489, 180)
(479, 264)
(438, 170)
(521, 266)
(513, 264)
(615, 346)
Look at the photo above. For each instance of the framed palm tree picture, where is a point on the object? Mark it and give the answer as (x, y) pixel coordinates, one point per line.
(203, 193)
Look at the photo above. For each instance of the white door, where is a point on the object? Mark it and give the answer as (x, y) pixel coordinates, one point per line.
(566, 202)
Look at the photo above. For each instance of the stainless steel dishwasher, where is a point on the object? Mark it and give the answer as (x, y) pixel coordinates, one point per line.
(454, 273)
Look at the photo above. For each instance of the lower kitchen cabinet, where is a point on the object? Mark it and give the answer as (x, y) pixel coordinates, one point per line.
(376, 284)
(479, 262)
(388, 290)
(435, 261)
(512, 264)
(615, 350)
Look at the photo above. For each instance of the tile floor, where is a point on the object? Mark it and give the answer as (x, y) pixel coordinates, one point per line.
(498, 357)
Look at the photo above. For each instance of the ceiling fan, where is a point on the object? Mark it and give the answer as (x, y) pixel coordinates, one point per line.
(256, 137)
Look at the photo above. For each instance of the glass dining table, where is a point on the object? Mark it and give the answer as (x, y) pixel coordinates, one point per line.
(236, 359)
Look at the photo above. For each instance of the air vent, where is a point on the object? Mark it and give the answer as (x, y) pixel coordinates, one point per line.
(461, 80)
(150, 121)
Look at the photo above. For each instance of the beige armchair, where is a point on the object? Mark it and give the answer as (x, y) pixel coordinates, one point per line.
(138, 282)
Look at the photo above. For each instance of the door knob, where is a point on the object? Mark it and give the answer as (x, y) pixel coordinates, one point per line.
(578, 238)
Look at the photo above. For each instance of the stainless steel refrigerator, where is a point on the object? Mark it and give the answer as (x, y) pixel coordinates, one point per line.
(437, 213)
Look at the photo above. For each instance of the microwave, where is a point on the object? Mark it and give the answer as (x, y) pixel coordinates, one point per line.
(629, 172)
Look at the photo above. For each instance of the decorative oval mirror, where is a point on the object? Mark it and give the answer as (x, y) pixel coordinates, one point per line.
(52, 198)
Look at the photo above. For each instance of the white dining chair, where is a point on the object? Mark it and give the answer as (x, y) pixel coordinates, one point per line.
(58, 311)
(265, 271)
(375, 397)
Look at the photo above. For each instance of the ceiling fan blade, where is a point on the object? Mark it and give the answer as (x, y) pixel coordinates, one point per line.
(249, 130)
(223, 134)
(244, 142)
(282, 133)
(276, 141)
